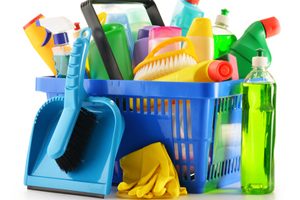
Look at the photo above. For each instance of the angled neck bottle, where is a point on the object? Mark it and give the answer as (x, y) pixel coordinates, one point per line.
(258, 128)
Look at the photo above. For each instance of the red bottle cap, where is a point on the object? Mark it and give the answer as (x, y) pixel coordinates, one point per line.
(220, 70)
(33, 21)
(195, 2)
(271, 25)
(77, 26)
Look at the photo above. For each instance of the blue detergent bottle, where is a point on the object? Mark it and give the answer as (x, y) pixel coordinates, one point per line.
(184, 14)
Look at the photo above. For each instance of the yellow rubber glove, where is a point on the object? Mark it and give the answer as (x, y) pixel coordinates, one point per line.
(173, 187)
(140, 165)
(148, 173)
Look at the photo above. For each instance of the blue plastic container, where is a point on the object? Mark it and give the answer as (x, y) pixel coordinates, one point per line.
(199, 123)
(184, 14)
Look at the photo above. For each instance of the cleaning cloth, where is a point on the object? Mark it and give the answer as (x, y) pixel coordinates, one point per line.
(149, 173)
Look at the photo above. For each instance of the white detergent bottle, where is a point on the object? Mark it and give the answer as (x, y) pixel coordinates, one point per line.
(201, 35)
(58, 26)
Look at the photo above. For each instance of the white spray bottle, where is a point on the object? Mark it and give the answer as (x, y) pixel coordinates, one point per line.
(58, 26)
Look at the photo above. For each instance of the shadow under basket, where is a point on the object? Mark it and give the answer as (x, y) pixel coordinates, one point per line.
(199, 123)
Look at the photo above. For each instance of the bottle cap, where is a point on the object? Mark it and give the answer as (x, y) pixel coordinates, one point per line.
(33, 21)
(61, 38)
(220, 70)
(195, 2)
(260, 60)
(200, 27)
(76, 26)
(223, 19)
(271, 25)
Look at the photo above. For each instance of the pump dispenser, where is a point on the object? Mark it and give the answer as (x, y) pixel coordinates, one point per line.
(258, 128)
(58, 27)
(223, 38)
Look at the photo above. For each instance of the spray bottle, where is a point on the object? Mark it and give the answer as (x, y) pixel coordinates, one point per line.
(258, 128)
(186, 11)
(223, 38)
(58, 26)
(254, 38)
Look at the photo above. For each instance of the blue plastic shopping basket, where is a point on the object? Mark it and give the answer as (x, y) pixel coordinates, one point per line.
(199, 123)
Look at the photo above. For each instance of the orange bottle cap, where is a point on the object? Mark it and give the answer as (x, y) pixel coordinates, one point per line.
(219, 70)
(271, 25)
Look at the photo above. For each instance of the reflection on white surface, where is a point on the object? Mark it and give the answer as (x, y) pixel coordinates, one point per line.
(231, 192)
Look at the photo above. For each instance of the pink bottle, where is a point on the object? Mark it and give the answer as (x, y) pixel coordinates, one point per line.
(160, 34)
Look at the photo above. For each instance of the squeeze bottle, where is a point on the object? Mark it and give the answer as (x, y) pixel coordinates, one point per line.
(206, 71)
(185, 12)
(223, 38)
(116, 36)
(162, 33)
(258, 128)
(253, 38)
(58, 26)
(36, 37)
(201, 35)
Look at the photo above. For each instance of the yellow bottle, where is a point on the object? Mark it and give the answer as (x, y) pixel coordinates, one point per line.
(201, 35)
(36, 36)
(206, 71)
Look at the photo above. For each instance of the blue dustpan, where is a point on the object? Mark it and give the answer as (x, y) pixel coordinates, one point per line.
(94, 176)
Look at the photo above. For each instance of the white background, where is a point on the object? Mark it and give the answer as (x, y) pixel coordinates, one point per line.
(21, 64)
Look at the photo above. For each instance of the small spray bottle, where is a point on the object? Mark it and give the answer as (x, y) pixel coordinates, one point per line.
(58, 26)
(258, 128)
(223, 38)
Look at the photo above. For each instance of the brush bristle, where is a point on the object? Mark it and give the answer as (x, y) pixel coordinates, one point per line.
(165, 66)
(72, 157)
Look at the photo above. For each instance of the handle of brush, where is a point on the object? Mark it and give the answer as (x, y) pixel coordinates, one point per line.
(171, 41)
(74, 90)
(74, 95)
(100, 39)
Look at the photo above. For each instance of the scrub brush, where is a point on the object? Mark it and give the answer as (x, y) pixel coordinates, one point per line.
(72, 132)
(155, 66)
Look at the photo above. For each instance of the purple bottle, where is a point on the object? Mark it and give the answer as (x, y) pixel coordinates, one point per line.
(140, 50)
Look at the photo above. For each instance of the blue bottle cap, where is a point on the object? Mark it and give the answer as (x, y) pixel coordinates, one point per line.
(61, 38)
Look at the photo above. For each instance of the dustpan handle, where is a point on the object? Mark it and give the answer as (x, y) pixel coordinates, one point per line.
(100, 39)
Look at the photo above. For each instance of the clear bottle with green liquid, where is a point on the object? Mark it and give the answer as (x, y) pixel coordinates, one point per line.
(258, 128)
(223, 38)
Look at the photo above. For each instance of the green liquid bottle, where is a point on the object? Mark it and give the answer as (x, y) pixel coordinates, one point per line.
(223, 38)
(258, 129)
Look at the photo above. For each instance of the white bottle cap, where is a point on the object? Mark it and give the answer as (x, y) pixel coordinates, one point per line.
(223, 19)
(260, 60)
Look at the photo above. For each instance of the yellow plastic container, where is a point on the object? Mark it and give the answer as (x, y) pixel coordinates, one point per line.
(206, 71)
(201, 35)
(36, 36)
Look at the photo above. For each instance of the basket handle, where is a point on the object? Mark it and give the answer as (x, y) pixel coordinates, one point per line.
(100, 39)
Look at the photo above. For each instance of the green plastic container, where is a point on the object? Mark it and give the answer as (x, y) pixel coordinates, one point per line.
(116, 37)
(254, 38)
(258, 129)
(223, 38)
